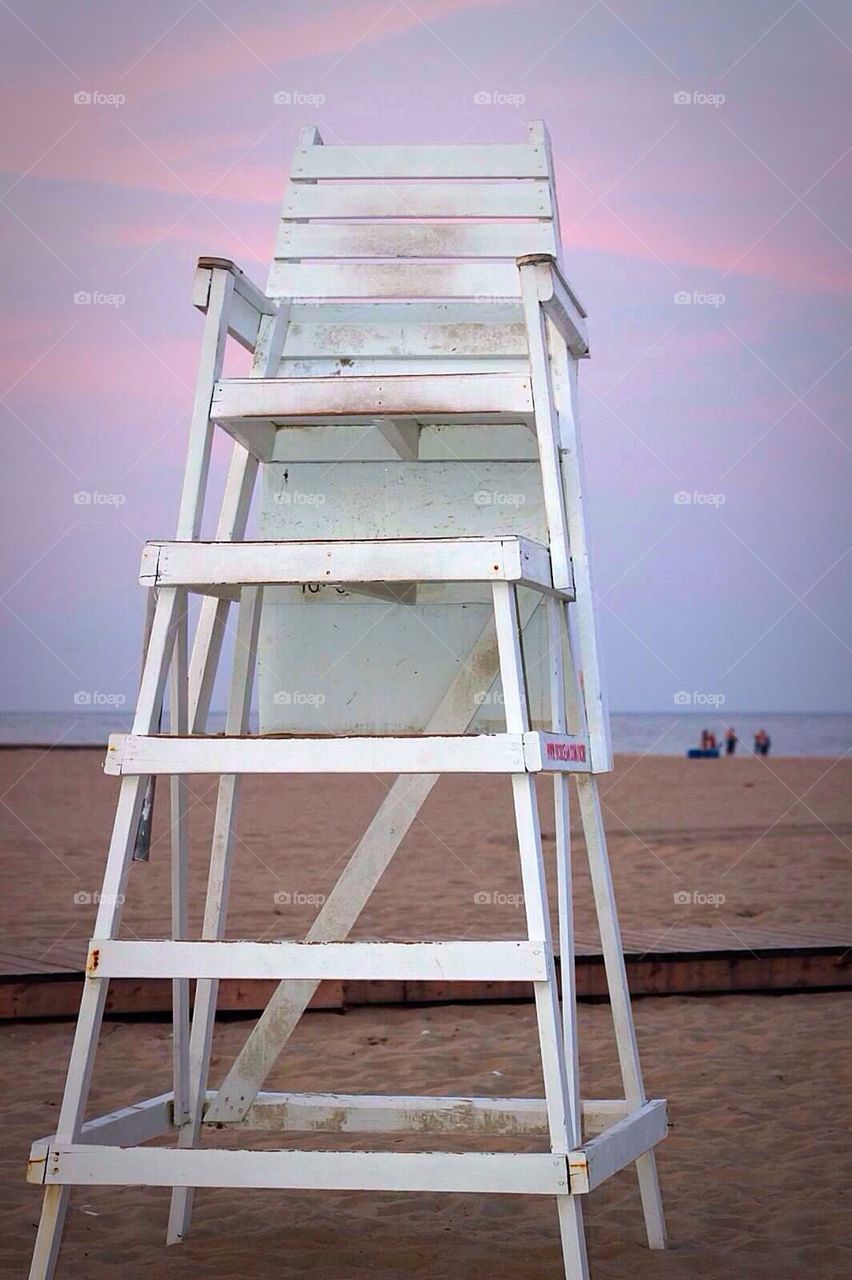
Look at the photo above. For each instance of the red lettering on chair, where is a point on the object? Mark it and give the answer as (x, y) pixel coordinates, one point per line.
(571, 752)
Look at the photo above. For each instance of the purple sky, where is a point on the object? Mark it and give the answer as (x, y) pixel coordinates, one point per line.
(742, 400)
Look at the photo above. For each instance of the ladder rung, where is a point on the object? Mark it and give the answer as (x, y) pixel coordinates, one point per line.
(532, 1173)
(210, 566)
(535, 752)
(515, 961)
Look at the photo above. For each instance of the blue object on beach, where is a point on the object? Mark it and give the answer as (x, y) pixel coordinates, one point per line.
(703, 753)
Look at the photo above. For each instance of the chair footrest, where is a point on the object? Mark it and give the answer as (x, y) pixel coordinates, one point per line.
(534, 1173)
(512, 961)
(213, 567)
(534, 752)
(516, 1173)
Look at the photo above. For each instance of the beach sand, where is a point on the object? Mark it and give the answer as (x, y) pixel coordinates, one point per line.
(757, 1169)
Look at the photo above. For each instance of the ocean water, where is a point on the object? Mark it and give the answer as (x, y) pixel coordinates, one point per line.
(634, 733)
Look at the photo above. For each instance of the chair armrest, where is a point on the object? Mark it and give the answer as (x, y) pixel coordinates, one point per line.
(559, 300)
(248, 306)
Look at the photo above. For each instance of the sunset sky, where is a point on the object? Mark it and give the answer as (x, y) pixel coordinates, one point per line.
(738, 198)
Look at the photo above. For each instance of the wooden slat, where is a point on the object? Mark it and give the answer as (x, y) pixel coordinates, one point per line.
(771, 963)
(366, 1113)
(534, 1173)
(490, 161)
(393, 280)
(479, 753)
(398, 395)
(418, 200)
(414, 240)
(618, 1146)
(389, 331)
(200, 564)
(362, 961)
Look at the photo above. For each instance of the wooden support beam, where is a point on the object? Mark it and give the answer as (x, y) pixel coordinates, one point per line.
(369, 961)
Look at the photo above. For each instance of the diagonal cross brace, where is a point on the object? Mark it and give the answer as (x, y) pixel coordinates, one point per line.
(362, 873)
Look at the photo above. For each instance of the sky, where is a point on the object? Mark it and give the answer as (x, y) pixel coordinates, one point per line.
(703, 156)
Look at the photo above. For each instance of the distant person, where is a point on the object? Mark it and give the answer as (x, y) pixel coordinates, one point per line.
(705, 739)
(711, 741)
(762, 743)
(731, 741)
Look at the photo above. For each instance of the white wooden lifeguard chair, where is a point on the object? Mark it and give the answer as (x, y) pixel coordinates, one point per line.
(415, 360)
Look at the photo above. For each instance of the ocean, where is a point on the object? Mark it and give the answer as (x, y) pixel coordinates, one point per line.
(633, 733)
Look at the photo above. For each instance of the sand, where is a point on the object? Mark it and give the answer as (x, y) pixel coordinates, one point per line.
(734, 828)
(756, 1172)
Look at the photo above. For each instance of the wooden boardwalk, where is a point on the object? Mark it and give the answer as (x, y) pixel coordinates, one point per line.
(45, 981)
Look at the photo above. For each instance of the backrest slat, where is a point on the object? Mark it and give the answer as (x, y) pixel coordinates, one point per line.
(394, 280)
(420, 162)
(413, 240)
(366, 231)
(418, 200)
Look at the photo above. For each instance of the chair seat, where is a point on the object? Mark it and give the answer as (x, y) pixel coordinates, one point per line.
(252, 409)
(220, 568)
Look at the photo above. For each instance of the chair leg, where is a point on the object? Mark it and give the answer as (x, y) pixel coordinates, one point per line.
(563, 1120)
(619, 994)
(216, 905)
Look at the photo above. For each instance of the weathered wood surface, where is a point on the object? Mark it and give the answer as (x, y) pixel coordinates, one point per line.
(46, 982)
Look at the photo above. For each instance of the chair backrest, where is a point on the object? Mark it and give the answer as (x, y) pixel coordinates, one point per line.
(399, 259)
(395, 253)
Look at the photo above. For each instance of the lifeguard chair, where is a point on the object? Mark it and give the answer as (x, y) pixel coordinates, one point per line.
(420, 603)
